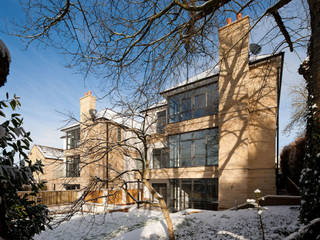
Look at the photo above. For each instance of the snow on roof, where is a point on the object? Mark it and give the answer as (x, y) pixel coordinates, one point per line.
(205, 74)
(254, 58)
(70, 126)
(118, 118)
(161, 103)
(214, 71)
(50, 152)
(112, 116)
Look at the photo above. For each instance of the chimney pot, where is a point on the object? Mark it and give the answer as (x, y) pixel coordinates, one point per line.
(89, 93)
(239, 16)
(229, 21)
(85, 94)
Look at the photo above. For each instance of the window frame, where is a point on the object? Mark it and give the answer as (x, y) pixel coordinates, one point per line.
(73, 166)
(161, 121)
(164, 158)
(119, 137)
(177, 194)
(175, 155)
(74, 137)
(211, 101)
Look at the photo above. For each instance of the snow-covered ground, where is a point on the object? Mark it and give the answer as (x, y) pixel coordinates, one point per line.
(278, 222)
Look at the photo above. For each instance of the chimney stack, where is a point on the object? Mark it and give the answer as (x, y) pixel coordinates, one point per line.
(87, 103)
(239, 16)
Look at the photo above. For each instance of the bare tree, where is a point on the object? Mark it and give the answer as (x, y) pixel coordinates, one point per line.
(118, 162)
(299, 108)
(165, 38)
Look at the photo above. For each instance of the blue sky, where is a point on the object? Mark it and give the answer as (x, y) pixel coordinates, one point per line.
(45, 86)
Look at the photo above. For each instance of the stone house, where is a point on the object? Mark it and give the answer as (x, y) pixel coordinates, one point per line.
(84, 153)
(52, 159)
(213, 139)
(219, 129)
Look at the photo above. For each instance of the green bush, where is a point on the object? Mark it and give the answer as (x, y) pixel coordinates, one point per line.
(20, 218)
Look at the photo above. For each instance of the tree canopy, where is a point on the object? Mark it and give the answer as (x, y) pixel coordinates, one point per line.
(150, 42)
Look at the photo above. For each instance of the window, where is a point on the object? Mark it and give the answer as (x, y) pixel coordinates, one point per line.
(71, 186)
(161, 121)
(195, 103)
(193, 193)
(199, 148)
(160, 158)
(119, 134)
(73, 166)
(73, 138)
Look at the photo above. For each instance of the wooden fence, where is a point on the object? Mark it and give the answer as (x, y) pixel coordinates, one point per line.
(115, 197)
(50, 198)
(95, 197)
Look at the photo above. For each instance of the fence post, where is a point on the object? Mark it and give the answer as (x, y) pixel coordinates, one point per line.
(138, 194)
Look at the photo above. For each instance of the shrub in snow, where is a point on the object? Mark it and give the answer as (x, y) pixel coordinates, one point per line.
(307, 232)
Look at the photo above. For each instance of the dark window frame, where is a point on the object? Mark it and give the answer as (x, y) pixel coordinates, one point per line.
(161, 121)
(207, 199)
(73, 166)
(175, 156)
(164, 158)
(72, 186)
(119, 134)
(211, 101)
(73, 138)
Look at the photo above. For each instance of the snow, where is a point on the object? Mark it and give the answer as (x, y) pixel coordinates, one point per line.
(50, 152)
(118, 118)
(205, 74)
(279, 222)
(214, 71)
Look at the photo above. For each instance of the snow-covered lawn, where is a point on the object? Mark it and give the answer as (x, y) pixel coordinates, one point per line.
(278, 222)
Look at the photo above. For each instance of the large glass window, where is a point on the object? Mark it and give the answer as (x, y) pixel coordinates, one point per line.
(193, 193)
(73, 138)
(160, 158)
(195, 103)
(161, 121)
(199, 148)
(73, 166)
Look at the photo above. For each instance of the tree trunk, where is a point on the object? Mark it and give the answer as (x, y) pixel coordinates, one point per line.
(163, 205)
(310, 176)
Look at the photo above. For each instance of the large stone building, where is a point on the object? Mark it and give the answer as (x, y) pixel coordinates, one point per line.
(219, 129)
(213, 138)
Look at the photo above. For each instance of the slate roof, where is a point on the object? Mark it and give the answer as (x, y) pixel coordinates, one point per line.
(50, 152)
(112, 116)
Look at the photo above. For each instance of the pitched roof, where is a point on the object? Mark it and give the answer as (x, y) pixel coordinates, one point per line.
(50, 152)
(112, 116)
(118, 118)
(214, 71)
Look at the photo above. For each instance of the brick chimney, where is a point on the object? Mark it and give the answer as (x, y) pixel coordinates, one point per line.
(87, 103)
